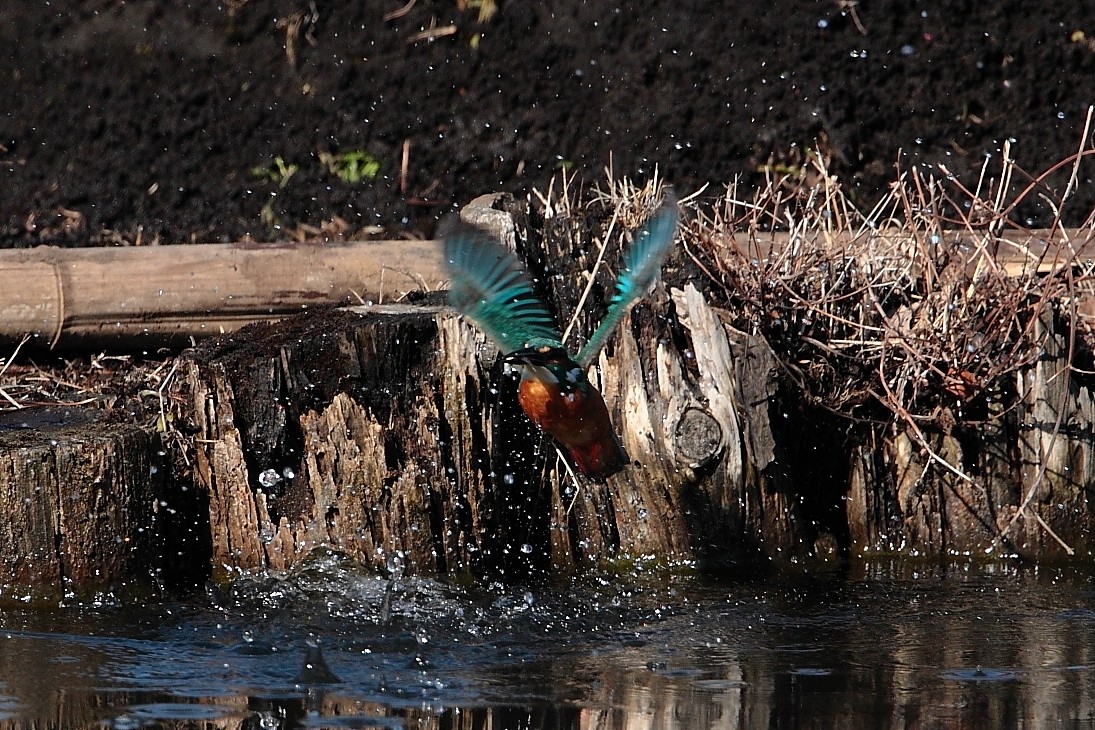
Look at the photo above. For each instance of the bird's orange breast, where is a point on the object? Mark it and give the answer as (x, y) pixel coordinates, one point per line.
(577, 420)
(573, 418)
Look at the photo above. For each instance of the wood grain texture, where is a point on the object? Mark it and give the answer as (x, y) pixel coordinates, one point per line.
(84, 505)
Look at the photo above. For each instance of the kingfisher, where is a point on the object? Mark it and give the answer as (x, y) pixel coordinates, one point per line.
(492, 289)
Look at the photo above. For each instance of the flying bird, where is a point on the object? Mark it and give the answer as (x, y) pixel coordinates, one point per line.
(491, 288)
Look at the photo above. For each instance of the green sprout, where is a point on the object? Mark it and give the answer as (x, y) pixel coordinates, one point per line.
(269, 217)
(279, 173)
(353, 166)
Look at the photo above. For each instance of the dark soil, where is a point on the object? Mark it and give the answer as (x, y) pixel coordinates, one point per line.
(168, 119)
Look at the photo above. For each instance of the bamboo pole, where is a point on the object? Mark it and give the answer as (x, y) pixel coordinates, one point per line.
(158, 293)
(1018, 252)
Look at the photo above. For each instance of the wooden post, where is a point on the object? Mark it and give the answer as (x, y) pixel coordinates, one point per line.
(1028, 469)
(342, 430)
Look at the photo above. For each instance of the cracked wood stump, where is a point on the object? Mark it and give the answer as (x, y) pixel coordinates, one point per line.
(84, 503)
(391, 433)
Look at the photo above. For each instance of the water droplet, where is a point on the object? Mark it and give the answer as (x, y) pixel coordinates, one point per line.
(269, 478)
(126, 722)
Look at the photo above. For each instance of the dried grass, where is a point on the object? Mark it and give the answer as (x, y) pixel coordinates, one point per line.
(133, 388)
(915, 311)
(920, 311)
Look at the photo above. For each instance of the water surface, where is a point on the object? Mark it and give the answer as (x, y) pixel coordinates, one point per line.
(987, 647)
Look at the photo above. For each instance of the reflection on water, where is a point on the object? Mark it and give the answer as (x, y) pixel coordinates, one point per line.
(331, 648)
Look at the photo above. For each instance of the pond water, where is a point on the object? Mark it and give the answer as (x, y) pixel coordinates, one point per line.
(329, 647)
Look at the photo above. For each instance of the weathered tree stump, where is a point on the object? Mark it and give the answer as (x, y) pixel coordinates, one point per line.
(84, 503)
(390, 432)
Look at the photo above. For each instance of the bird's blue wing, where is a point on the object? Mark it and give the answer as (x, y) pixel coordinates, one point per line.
(491, 288)
(642, 264)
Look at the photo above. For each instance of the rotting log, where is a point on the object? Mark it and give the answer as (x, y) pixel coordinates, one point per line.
(84, 503)
(391, 432)
(386, 432)
(330, 431)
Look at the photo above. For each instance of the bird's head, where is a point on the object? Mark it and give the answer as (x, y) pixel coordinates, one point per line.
(552, 364)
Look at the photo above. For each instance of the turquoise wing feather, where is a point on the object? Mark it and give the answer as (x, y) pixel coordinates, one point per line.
(491, 288)
(642, 264)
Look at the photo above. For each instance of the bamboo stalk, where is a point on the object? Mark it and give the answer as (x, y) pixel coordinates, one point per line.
(149, 295)
(1019, 253)
(153, 294)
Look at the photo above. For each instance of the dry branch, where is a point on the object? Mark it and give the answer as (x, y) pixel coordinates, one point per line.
(867, 381)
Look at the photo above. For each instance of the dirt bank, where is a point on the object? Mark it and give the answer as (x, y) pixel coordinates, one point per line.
(185, 120)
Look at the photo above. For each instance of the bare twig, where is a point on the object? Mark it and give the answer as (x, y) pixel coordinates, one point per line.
(400, 12)
(431, 34)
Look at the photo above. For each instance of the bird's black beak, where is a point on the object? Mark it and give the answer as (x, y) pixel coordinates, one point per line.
(540, 356)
